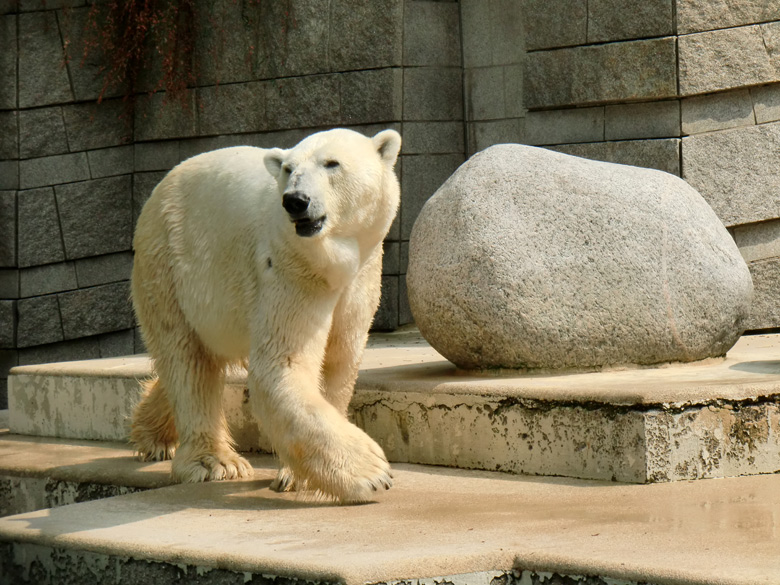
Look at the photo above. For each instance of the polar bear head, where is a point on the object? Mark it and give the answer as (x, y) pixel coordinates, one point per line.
(338, 182)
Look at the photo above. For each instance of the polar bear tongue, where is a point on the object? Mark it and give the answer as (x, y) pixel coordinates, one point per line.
(308, 227)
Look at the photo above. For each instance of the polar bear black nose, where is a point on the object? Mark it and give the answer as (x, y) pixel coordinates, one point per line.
(295, 203)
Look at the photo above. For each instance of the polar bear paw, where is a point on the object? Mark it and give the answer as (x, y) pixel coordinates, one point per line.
(284, 481)
(193, 465)
(155, 451)
(352, 469)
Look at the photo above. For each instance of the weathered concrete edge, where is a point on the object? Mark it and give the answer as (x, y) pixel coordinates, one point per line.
(37, 564)
(26, 493)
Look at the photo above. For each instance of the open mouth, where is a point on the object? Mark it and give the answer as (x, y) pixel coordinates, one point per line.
(308, 227)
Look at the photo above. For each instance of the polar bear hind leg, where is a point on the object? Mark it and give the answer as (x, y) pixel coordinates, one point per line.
(153, 430)
(185, 398)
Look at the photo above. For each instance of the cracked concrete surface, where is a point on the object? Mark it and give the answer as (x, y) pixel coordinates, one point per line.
(716, 418)
(467, 527)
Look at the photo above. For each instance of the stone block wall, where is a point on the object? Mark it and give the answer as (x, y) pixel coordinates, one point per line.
(74, 174)
(691, 87)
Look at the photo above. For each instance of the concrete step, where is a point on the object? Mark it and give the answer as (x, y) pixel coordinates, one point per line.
(717, 418)
(436, 525)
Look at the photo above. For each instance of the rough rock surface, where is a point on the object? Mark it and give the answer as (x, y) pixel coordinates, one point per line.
(527, 258)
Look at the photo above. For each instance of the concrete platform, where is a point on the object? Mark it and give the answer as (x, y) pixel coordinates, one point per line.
(710, 419)
(435, 525)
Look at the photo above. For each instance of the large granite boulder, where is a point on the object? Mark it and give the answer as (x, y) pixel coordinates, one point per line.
(527, 258)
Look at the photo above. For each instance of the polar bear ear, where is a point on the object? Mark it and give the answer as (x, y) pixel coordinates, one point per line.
(388, 144)
(273, 161)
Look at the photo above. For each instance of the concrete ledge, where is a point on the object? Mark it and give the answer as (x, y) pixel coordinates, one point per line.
(485, 528)
(719, 418)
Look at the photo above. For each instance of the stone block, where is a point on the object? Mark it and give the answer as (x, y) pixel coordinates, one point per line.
(7, 324)
(612, 72)
(8, 60)
(615, 20)
(303, 102)
(386, 318)
(84, 66)
(109, 162)
(229, 109)
(104, 269)
(644, 120)
(371, 96)
(758, 241)
(269, 41)
(93, 125)
(7, 228)
(9, 283)
(96, 310)
(765, 311)
(138, 341)
(736, 170)
(43, 280)
(42, 132)
(717, 111)
(159, 118)
(8, 360)
(555, 24)
(404, 256)
(726, 59)
(53, 170)
(507, 32)
(766, 103)
(704, 15)
(9, 174)
(513, 91)
(39, 321)
(663, 155)
(476, 22)
(433, 93)
(432, 137)
(42, 78)
(187, 148)
(9, 135)
(492, 32)
(422, 176)
(431, 34)
(120, 343)
(488, 133)
(143, 185)
(484, 93)
(157, 156)
(354, 30)
(96, 216)
(564, 126)
(39, 236)
(404, 311)
(217, 59)
(391, 258)
(65, 351)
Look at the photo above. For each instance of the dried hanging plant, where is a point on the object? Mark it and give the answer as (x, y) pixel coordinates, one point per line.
(137, 36)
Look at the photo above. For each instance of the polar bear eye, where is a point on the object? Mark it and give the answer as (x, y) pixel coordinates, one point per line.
(286, 169)
(331, 164)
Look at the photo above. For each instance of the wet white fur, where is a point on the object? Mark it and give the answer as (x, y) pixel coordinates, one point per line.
(220, 277)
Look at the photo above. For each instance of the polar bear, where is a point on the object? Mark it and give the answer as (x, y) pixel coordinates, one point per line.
(271, 259)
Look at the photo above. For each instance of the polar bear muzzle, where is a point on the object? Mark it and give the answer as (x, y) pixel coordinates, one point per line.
(303, 215)
(308, 227)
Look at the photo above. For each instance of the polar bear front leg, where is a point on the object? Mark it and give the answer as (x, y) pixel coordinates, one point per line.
(315, 441)
(348, 334)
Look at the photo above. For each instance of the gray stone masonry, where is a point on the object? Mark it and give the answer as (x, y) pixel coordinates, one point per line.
(691, 87)
(598, 79)
(74, 173)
